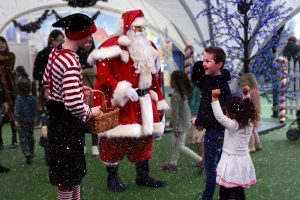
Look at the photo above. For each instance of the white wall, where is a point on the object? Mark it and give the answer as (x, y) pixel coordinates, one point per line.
(23, 56)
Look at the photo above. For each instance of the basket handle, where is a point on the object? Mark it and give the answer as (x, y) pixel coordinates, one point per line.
(102, 96)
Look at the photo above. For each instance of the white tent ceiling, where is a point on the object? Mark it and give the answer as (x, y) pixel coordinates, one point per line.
(175, 16)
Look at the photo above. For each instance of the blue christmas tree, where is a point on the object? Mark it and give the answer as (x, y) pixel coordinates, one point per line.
(248, 31)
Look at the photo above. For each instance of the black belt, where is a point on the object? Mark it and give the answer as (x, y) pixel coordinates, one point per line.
(142, 92)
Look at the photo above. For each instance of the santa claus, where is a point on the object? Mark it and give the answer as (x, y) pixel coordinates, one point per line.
(126, 72)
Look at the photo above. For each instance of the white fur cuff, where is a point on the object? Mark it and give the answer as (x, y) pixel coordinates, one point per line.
(119, 97)
(162, 105)
(153, 95)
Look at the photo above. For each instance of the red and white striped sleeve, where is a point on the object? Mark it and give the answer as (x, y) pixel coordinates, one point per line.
(64, 78)
(72, 93)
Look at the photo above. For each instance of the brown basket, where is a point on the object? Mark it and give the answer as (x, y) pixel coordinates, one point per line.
(108, 120)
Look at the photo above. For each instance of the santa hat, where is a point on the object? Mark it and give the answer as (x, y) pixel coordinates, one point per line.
(132, 18)
(77, 26)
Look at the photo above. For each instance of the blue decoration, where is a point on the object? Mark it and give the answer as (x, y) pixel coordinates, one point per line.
(248, 31)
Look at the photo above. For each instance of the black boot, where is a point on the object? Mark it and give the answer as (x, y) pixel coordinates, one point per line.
(143, 177)
(4, 169)
(113, 180)
(14, 142)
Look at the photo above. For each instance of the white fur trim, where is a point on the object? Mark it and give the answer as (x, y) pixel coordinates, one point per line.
(157, 64)
(133, 131)
(158, 129)
(145, 80)
(162, 105)
(119, 97)
(129, 130)
(147, 114)
(139, 21)
(123, 40)
(110, 164)
(153, 95)
(104, 53)
(125, 56)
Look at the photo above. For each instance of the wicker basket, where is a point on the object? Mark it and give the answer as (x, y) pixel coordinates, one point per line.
(108, 120)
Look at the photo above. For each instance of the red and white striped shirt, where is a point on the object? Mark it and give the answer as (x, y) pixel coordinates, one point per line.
(63, 75)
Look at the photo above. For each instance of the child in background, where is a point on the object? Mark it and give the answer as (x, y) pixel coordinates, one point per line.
(180, 119)
(25, 110)
(250, 80)
(88, 79)
(235, 170)
(211, 75)
(20, 73)
(43, 99)
(194, 135)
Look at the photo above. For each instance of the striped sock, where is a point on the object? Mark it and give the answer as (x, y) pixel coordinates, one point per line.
(76, 193)
(64, 195)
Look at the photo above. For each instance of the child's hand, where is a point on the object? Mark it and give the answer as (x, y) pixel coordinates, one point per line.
(246, 90)
(44, 131)
(215, 94)
(193, 120)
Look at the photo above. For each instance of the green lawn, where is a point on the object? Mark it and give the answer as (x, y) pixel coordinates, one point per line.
(277, 167)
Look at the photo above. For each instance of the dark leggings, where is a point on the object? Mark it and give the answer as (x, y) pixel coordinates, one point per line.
(236, 193)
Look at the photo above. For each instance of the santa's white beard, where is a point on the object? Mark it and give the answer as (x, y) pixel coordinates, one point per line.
(141, 52)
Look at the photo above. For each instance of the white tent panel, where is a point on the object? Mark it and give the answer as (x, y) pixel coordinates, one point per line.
(177, 16)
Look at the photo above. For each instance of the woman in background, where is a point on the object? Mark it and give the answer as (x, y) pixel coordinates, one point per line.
(7, 63)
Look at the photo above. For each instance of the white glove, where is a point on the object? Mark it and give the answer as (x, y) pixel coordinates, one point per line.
(44, 131)
(131, 94)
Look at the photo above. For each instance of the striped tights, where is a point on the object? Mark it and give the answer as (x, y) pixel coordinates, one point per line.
(69, 193)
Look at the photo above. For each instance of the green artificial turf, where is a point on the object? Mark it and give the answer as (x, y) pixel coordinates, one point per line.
(277, 167)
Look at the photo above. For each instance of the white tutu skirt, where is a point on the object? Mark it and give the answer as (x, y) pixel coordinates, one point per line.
(235, 171)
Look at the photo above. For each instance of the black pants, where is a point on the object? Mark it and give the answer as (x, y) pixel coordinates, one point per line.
(94, 139)
(236, 193)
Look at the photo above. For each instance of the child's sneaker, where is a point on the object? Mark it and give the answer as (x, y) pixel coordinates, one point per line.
(169, 167)
(29, 160)
(258, 147)
(252, 149)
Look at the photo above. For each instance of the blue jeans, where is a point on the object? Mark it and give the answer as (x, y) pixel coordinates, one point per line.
(213, 144)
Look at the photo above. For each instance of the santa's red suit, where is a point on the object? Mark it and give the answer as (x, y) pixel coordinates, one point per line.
(139, 120)
(126, 74)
